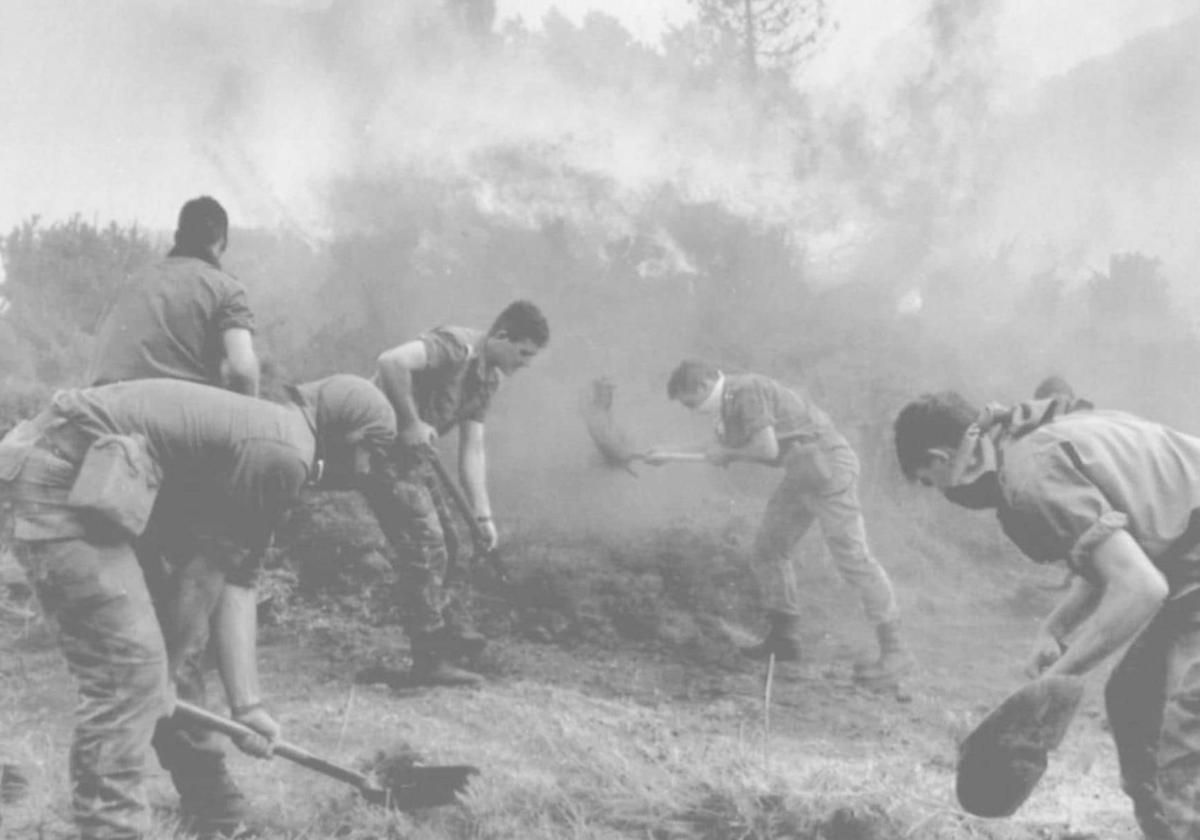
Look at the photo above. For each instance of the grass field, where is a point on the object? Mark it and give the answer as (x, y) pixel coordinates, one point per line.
(660, 733)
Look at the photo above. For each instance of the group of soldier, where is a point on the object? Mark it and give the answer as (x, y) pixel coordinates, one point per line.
(143, 504)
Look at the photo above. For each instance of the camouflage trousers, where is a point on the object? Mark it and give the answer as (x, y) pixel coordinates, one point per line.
(114, 648)
(828, 496)
(410, 505)
(1153, 703)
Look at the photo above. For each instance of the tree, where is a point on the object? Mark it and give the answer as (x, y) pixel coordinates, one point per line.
(59, 281)
(766, 34)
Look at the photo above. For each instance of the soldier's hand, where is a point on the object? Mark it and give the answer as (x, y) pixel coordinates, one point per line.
(1046, 651)
(419, 434)
(267, 731)
(653, 457)
(718, 456)
(487, 525)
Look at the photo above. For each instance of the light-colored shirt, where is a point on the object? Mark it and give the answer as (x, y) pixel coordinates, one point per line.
(1071, 483)
(170, 323)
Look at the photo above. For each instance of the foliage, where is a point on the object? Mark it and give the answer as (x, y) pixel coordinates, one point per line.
(59, 279)
(764, 34)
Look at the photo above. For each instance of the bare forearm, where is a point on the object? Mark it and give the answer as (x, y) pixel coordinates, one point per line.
(1079, 602)
(236, 636)
(1131, 591)
(397, 387)
(472, 469)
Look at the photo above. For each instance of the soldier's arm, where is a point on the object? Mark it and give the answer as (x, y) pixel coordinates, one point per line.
(240, 366)
(763, 447)
(236, 636)
(1079, 602)
(396, 368)
(1132, 590)
(472, 466)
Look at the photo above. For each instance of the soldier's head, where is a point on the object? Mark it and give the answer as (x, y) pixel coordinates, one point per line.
(934, 448)
(517, 335)
(693, 383)
(202, 230)
(1054, 386)
(354, 424)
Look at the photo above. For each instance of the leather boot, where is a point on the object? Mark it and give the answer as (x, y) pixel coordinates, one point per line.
(895, 660)
(211, 805)
(782, 639)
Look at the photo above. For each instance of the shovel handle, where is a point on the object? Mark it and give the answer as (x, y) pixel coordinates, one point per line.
(457, 496)
(202, 717)
(671, 457)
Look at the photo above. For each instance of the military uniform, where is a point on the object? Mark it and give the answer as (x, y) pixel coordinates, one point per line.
(245, 460)
(819, 484)
(455, 386)
(170, 323)
(1069, 485)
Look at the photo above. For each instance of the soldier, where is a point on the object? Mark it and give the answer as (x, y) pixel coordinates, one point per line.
(239, 463)
(184, 317)
(760, 421)
(1116, 498)
(440, 381)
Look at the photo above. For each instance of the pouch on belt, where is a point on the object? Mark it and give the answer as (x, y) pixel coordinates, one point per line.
(118, 481)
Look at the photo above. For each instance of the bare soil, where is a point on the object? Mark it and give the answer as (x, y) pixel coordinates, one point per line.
(604, 716)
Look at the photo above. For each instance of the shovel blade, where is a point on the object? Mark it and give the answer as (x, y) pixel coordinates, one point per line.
(415, 788)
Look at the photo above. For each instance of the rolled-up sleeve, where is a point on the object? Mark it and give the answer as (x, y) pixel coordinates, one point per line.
(233, 312)
(1055, 512)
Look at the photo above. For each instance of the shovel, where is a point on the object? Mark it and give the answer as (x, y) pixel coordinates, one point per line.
(614, 443)
(464, 510)
(407, 789)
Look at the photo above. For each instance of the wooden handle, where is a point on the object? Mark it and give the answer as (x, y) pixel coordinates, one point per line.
(457, 496)
(194, 714)
(672, 457)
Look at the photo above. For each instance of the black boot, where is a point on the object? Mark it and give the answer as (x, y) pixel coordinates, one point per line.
(894, 661)
(433, 652)
(783, 639)
(211, 805)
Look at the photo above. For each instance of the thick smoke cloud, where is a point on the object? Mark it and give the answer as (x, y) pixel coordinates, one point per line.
(863, 238)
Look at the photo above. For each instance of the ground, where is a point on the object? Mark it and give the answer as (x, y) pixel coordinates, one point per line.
(659, 731)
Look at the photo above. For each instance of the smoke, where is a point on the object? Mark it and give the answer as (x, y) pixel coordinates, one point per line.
(651, 218)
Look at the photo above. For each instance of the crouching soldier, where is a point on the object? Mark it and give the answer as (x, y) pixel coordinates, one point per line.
(442, 380)
(84, 475)
(1117, 498)
(760, 421)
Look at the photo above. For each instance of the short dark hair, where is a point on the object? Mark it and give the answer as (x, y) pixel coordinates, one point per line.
(929, 422)
(203, 222)
(690, 375)
(1054, 386)
(521, 320)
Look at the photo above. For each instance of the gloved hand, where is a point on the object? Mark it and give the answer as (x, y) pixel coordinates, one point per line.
(1045, 652)
(267, 728)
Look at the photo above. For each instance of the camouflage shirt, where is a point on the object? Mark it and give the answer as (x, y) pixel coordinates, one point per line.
(170, 323)
(1069, 484)
(455, 385)
(752, 402)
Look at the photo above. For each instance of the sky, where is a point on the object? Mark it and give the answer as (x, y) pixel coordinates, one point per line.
(100, 119)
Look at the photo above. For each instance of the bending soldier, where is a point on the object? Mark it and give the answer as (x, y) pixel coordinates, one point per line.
(760, 421)
(1118, 499)
(236, 463)
(442, 380)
